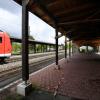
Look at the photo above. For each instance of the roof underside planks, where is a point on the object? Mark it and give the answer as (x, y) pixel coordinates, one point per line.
(79, 20)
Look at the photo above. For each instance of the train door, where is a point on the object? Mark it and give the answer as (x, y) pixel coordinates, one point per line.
(8, 47)
(1, 45)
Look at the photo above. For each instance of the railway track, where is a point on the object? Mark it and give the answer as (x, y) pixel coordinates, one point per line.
(15, 65)
(8, 76)
(31, 56)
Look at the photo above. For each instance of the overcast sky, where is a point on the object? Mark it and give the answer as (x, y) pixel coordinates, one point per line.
(10, 21)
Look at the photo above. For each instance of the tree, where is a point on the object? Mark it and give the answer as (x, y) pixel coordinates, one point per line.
(31, 47)
(16, 48)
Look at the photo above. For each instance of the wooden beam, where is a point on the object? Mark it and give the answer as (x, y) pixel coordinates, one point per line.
(43, 7)
(81, 42)
(79, 22)
(53, 3)
(94, 14)
(82, 15)
(75, 9)
(85, 38)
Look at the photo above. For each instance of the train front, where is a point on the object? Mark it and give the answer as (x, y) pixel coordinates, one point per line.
(5, 45)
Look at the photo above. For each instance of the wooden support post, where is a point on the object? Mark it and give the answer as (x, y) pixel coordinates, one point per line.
(56, 46)
(69, 49)
(49, 48)
(56, 40)
(25, 19)
(34, 48)
(65, 47)
(72, 48)
(87, 48)
(41, 49)
(46, 48)
(25, 87)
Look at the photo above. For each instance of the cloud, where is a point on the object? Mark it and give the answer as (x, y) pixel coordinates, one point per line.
(40, 30)
(10, 21)
(10, 6)
(36, 25)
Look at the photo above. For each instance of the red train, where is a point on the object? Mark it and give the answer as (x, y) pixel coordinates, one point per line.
(5, 45)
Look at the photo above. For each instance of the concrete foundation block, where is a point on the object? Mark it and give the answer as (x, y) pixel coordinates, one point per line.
(24, 89)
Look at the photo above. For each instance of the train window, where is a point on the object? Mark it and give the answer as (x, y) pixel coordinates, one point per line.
(0, 39)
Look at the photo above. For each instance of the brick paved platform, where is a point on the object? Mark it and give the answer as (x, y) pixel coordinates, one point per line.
(79, 77)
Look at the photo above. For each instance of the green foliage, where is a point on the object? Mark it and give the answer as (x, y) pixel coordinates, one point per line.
(68, 45)
(16, 47)
(31, 47)
(38, 48)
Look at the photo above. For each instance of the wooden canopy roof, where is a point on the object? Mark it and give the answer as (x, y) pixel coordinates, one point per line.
(79, 20)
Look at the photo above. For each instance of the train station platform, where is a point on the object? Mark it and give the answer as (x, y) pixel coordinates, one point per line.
(78, 79)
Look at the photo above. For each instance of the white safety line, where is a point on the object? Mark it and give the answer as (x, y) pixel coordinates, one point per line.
(9, 85)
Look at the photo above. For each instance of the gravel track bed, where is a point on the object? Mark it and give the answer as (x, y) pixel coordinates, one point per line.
(13, 65)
